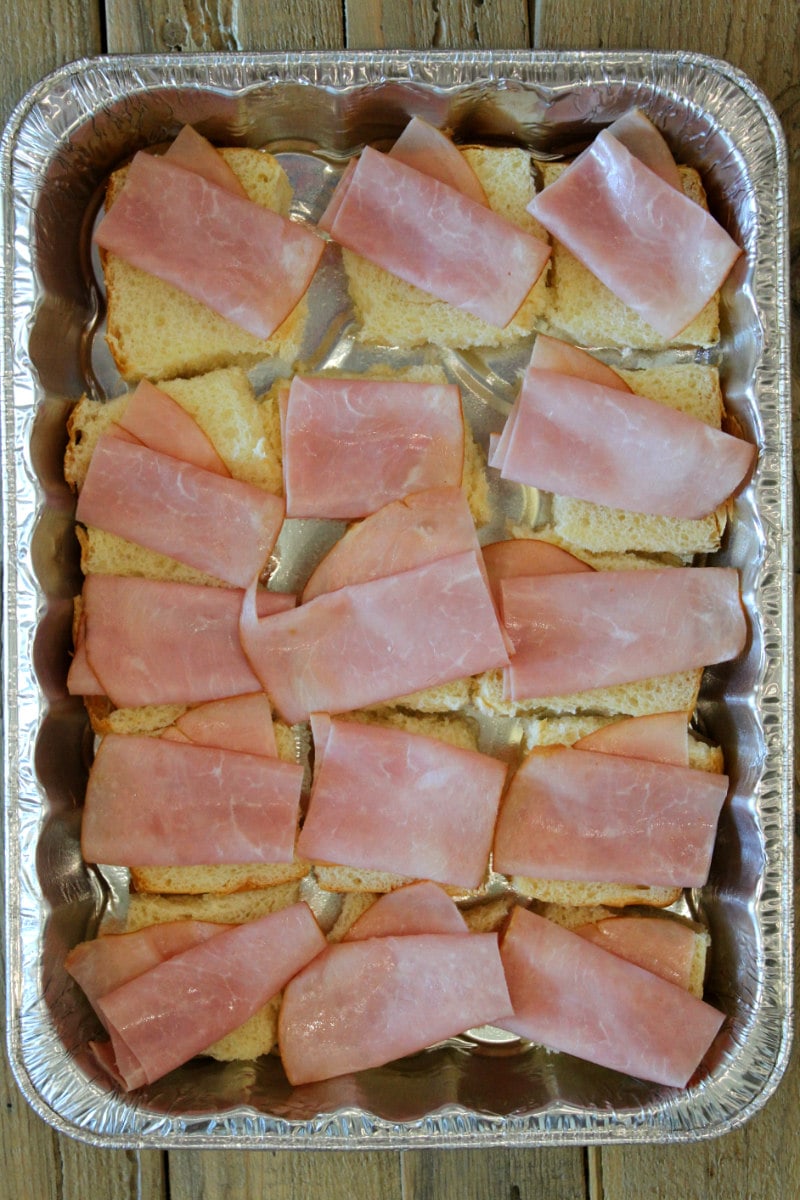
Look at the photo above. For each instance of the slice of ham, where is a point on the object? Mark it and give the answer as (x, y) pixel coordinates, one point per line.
(551, 354)
(241, 723)
(81, 679)
(105, 963)
(527, 556)
(154, 802)
(432, 152)
(658, 737)
(578, 438)
(400, 536)
(432, 236)
(222, 526)
(417, 908)
(365, 1003)
(387, 800)
(653, 247)
(582, 816)
(570, 995)
(153, 642)
(352, 445)
(164, 1017)
(247, 263)
(575, 632)
(195, 153)
(157, 421)
(640, 136)
(661, 945)
(374, 641)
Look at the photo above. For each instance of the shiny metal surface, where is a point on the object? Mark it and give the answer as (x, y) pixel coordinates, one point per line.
(315, 110)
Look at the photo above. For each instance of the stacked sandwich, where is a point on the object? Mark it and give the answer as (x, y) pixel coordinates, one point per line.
(580, 641)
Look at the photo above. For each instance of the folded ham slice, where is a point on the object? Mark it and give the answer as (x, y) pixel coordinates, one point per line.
(365, 1003)
(578, 438)
(387, 800)
(404, 534)
(352, 445)
(416, 908)
(162, 503)
(661, 945)
(651, 245)
(434, 237)
(374, 641)
(105, 963)
(156, 802)
(551, 354)
(574, 632)
(241, 723)
(427, 149)
(527, 556)
(582, 816)
(165, 1016)
(158, 422)
(148, 641)
(193, 152)
(640, 136)
(658, 737)
(245, 262)
(570, 995)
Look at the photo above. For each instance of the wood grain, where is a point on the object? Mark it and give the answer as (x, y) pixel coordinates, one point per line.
(494, 1174)
(284, 1175)
(37, 37)
(443, 24)
(174, 26)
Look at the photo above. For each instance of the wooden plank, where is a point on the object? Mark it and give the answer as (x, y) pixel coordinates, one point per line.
(36, 37)
(138, 26)
(284, 1175)
(448, 24)
(484, 1174)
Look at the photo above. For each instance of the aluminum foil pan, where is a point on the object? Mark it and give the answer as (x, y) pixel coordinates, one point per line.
(61, 143)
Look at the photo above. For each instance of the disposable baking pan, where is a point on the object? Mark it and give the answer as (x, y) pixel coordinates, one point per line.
(62, 141)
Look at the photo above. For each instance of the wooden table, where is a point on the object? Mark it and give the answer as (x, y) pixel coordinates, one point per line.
(760, 1161)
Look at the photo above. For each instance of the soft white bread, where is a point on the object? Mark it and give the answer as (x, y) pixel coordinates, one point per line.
(157, 331)
(259, 1034)
(693, 389)
(564, 731)
(573, 917)
(583, 308)
(663, 693)
(392, 312)
(244, 432)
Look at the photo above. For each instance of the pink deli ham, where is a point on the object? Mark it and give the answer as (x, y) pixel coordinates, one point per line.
(193, 152)
(245, 262)
(578, 438)
(107, 962)
(388, 800)
(434, 237)
(352, 445)
(374, 641)
(157, 421)
(148, 641)
(527, 556)
(575, 632)
(572, 996)
(653, 247)
(661, 945)
(156, 802)
(416, 908)
(222, 526)
(365, 1003)
(659, 737)
(165, 1016)
(577, 815)
(404, 534)
(551, 354)
(238, 723)
(427, 149)
(640, 136)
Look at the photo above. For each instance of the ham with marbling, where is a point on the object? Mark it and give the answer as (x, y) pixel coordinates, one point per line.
(158, 422)
(416, 908)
